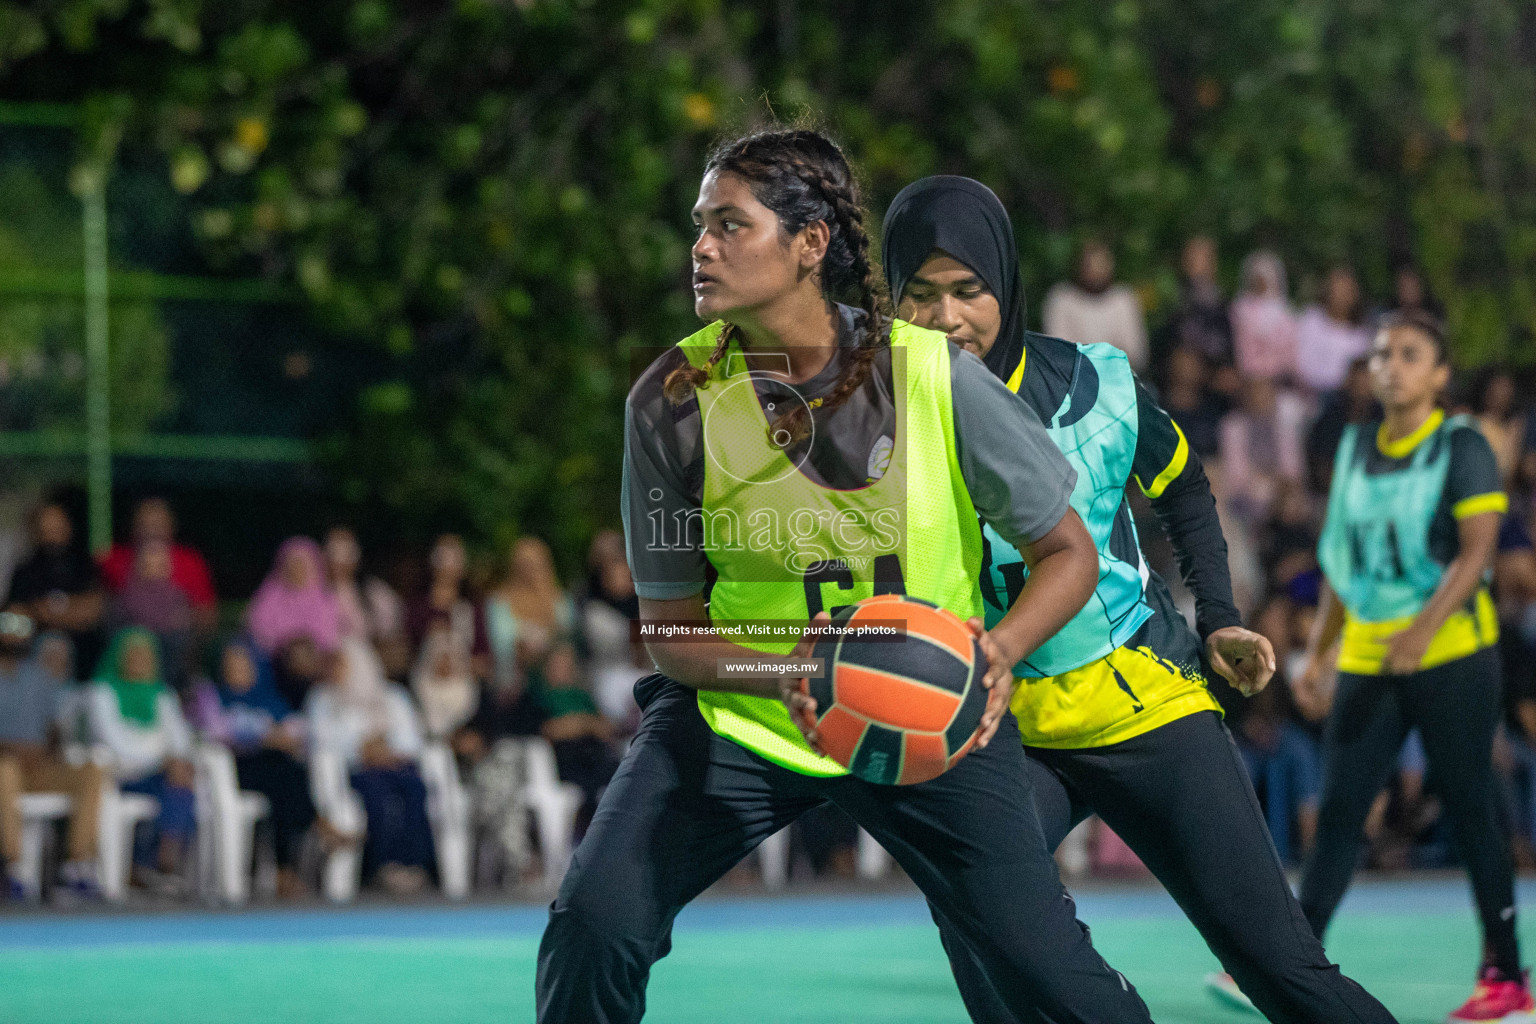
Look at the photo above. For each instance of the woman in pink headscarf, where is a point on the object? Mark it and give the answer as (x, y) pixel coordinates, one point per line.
(1263, 325)
(293, 601)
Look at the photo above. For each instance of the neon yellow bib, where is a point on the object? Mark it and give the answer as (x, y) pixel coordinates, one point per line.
(786, 547)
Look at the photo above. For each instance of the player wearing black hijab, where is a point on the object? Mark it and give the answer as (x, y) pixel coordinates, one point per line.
(1114, 710)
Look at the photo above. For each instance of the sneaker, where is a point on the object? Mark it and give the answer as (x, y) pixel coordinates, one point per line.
(79, 881)
(1498, 1000)
(15, 891)
(1224, 988)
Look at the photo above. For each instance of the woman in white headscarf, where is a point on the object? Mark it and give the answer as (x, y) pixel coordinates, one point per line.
(357, 714)
(444, 683)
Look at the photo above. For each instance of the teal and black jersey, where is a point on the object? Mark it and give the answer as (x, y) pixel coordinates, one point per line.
(1392, 529)
(1111, 429)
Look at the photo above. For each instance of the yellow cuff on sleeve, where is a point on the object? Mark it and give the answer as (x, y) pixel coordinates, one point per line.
(1493, 501)
(1171, 472)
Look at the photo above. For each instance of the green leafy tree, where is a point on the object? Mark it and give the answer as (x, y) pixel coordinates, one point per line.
(495, 192)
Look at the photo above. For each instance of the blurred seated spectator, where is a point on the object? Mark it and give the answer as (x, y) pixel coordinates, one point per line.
(614, 660)
(1355, 402)
(528, 615)
(1501, 419)
(369, 609)
(1289, 546)
(368, 722)
(297, 667)
(1303, 595)
(1514, 591)
(1263, 325)
(1260, 449)
(242, 708)
(1515, 749)
(1514, 575)
(1410, 294)
(1094, 309)
(154, 521)
(1405, 816)
(1193, 406)
(498, 775)
(1200, 323)
(32, 696)
(582, 738)
(58, 585)
(1330, 336)
(1282, 757)
(445, 687)
(139, 720)
(828, 838)
(293, 601)
(447, 595)
(149, 599)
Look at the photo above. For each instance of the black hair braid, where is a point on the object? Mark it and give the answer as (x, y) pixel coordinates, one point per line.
(850, 218)
(683, 381)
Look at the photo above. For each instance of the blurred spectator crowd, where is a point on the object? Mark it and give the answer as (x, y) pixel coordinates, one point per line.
(1262, 388)
(113, 672)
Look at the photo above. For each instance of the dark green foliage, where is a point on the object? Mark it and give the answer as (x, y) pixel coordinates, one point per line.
(495, 192)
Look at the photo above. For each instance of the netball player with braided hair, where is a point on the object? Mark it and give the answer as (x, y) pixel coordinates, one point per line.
(791, 426)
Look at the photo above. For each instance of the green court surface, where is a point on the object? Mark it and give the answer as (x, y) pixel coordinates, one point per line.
(805, 958)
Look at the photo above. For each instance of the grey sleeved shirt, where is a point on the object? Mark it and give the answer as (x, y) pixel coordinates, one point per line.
(29, 703)
(1018, 481)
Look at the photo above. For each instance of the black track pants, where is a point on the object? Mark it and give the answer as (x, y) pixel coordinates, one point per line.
(1455, 707)
(686, 805)
(1180, 797)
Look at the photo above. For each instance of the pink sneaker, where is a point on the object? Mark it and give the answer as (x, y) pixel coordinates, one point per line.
(1497, 1000)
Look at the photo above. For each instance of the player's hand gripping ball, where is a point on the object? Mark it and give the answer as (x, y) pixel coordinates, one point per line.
(899, 711)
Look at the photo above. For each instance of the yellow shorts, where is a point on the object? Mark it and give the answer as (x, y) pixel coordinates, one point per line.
(1128, 692)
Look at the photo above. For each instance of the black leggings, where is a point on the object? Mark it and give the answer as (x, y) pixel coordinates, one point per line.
(1180, 797)
(285, 783)
(686, 805)
(1455, 707)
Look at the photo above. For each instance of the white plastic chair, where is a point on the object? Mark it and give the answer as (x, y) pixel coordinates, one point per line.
(773, 859)
(120, 813)
(226, 824)
(553, 804)
(873, 861)
(38, 813)
(448, 810)
(331, 788)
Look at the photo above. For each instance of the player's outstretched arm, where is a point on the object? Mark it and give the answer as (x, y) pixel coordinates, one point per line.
(1170, 474)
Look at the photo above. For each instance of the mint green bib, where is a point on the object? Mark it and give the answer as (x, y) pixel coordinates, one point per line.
(1096, 429)
(1375, 542)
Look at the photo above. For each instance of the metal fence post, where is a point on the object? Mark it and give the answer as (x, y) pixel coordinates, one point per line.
(98, 402)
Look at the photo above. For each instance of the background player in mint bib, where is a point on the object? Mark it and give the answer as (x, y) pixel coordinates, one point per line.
(1413, 519)
(717, 766)
(1113, 709)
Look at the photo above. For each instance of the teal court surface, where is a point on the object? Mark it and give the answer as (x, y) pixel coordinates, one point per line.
(817, 957)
